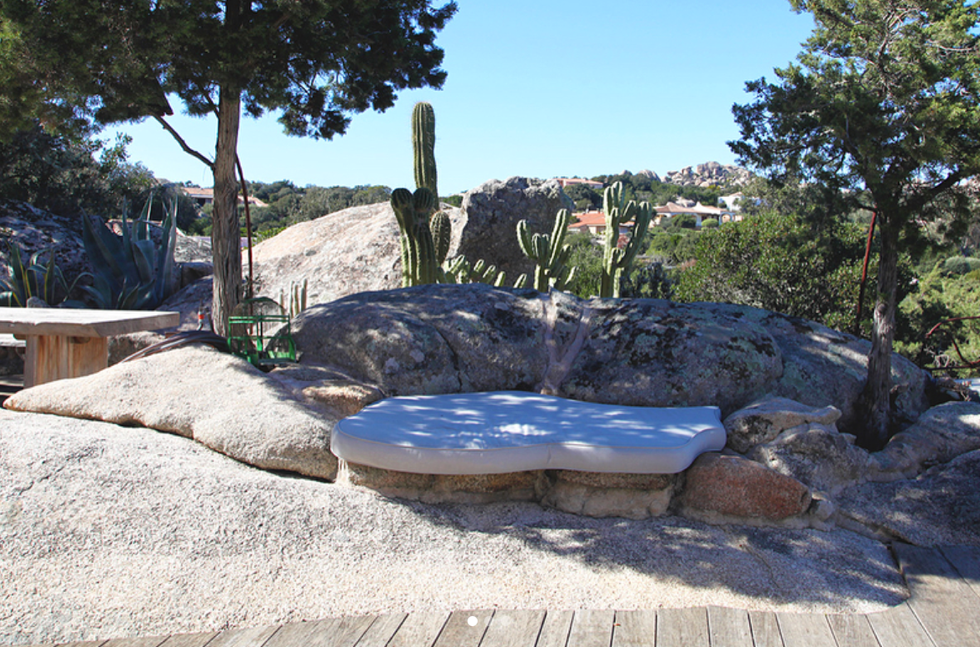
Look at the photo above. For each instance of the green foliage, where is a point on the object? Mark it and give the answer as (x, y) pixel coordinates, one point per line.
(586, 258)
(585, 197)
(131, 271)
(883, 109)
(549, 253)
(649, 281)
(960, 265)
(780, 263)
(66, 176)
(289, 204)
(709, 223)
(35, 278)
(937, 298)
(615, 260)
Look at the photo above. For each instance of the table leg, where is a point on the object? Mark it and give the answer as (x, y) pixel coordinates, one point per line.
(55, 357)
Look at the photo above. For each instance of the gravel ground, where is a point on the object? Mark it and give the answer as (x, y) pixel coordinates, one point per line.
(109, 531)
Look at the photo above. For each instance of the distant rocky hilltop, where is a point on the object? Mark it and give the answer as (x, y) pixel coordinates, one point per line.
(707, 174)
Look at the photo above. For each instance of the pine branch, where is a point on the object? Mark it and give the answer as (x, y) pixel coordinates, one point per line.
(180, 140)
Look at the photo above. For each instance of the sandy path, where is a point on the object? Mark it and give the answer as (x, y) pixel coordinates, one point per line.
(108, 531)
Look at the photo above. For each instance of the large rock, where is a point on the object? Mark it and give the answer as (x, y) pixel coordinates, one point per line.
(648, 352)
(822, 366)
(938, 436)
(939, 507)
(488, 226)
(450, 338)
(344, 252)
(357, 249)
(215, 398)
(731, 486)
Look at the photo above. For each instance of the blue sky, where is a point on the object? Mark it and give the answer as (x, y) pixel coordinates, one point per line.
(538, 88)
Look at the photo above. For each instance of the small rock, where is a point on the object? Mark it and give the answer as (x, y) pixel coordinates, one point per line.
(765, 419)
(815, 454)
(734, 486)
(597, 494)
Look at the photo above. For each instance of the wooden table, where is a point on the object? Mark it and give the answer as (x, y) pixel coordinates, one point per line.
(68, 342)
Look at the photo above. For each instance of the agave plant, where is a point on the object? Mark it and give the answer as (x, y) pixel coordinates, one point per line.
(35, 279)
(131, 271)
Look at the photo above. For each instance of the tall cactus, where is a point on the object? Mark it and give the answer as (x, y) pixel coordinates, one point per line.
(424, 147)
(616, 261)
(548, 253)
(419, 262)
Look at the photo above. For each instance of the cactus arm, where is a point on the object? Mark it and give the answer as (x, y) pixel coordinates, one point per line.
(423, 146)
(441, 228)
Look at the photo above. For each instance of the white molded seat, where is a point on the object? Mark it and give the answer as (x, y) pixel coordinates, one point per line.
(511, 431)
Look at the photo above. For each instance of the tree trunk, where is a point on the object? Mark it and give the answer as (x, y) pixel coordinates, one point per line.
(226, 246)
(877, 390)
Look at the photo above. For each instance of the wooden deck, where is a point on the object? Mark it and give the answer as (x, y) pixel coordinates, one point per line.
(943, 611)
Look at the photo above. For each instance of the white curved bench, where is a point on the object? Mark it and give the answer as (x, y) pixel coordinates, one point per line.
(511, 431)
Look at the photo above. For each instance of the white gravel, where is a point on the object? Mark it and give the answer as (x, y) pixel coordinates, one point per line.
(107, 531)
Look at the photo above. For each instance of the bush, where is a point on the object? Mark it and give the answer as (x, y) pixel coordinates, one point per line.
(958, 265)
(780, 263)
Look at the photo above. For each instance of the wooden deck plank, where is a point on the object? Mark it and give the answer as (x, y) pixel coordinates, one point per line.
(420, 629)
(591, 628)
(83, 643)
(150, 641)
(331, 632)
(300, 634)
(943, 602)
(898, 627)
(190, 640)
(805, 630)
(765, 629)
(966, 561)
(513, 628)
(555, 629)
(682, 627)
(729, 627)
(252, 637)
(381, 631)
(635, 629)
(464, 628)
(852, 630)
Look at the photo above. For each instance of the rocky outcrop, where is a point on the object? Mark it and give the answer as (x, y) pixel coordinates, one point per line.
(217, 399)
(487, 228)
(341, 253)
(357, 249)
(34, 230)
(645, 352)
(940, 507)
(795, 467)
(709, 174)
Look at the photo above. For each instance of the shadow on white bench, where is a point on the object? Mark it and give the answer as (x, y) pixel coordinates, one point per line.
(509, 431)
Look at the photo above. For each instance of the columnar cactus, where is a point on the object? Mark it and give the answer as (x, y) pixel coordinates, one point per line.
(616, 261)
(548, 253)
(419, 262)
(442, 231)
(424, 146)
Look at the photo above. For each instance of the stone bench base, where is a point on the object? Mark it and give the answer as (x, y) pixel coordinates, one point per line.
(760, 495)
